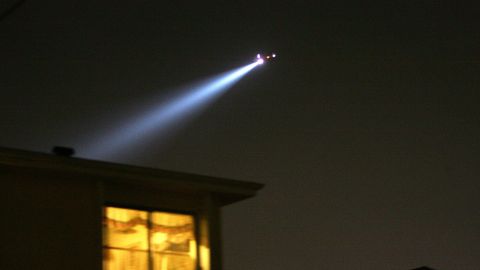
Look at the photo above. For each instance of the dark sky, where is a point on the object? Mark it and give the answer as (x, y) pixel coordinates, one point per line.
(365, 130)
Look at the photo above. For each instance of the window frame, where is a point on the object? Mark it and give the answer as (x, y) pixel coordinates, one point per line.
(150, 210)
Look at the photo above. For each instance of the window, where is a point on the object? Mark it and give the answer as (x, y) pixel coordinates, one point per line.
(148, 240)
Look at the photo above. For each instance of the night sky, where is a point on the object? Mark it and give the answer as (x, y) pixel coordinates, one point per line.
(365, 130)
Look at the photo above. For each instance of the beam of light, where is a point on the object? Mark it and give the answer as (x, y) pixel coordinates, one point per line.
(159, 120)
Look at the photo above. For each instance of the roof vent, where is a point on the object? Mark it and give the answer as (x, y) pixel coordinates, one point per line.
(63, 151)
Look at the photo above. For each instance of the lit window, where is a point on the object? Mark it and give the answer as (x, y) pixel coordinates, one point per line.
(148, 240)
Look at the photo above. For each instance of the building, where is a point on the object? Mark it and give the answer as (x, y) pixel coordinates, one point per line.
(69, 213)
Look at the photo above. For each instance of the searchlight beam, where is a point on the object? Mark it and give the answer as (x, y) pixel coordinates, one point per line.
(159, 121)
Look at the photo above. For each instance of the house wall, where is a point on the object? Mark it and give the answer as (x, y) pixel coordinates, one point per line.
(49, 222)
(53, 220)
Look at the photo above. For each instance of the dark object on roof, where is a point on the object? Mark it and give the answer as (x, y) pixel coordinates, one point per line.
(63, 151)
(423, 268)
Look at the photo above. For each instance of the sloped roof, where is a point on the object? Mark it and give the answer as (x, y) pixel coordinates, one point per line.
(228, 190)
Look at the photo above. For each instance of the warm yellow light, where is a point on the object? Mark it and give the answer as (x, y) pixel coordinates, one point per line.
(125, 229)
(193, 250)
(135, 239)
(204, 257)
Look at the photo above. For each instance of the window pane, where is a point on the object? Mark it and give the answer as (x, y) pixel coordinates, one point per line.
(172, 262)
(142, 240)
(172, 241)
(116, 259)
(125, 229)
